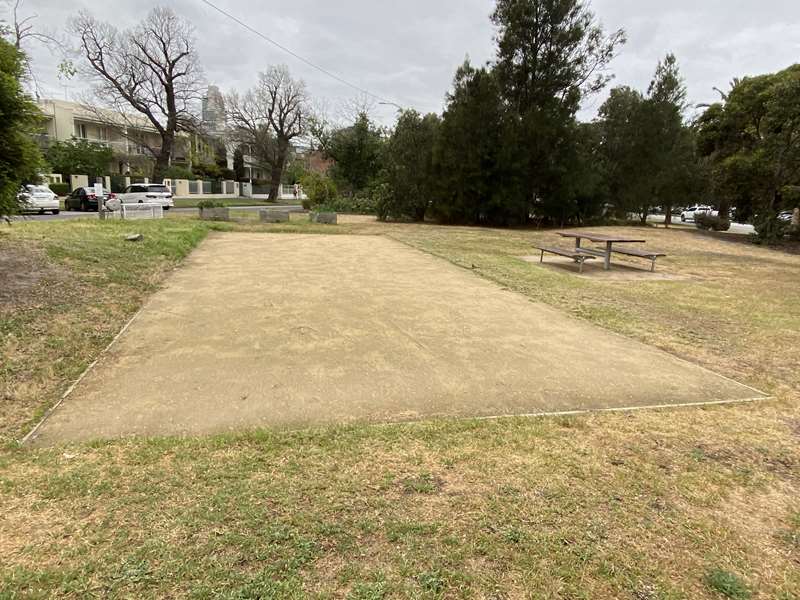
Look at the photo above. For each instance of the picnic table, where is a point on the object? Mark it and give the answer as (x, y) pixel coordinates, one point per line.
(608, 240)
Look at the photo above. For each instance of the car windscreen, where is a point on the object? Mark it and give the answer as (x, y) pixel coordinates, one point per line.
(161, 189)
(39, 188)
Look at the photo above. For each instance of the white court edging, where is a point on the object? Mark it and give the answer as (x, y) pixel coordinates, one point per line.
(32, 433)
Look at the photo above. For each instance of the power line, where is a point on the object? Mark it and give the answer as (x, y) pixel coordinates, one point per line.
(294, 54)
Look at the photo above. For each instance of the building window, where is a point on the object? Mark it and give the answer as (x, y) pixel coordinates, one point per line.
(80, 131)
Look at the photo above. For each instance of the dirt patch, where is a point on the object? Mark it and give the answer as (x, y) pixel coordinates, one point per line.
(22, 270)
(295, 330)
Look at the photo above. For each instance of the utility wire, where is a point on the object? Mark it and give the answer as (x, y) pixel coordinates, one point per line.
(297, 56)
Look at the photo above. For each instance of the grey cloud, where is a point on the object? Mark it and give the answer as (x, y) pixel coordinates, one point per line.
(408, 51)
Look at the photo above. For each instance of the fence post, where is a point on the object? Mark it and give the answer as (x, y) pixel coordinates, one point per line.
(76, 181)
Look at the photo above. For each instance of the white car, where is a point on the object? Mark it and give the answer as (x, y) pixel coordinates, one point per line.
(139, 193)
(38, 198)
(689, 213)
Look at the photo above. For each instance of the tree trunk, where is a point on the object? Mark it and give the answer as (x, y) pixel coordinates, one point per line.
(724, 209)
(275, 183)
(277, 170)
(667, 215)
(163, 158)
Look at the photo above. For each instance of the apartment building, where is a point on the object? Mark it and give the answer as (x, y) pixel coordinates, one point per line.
(128, 137)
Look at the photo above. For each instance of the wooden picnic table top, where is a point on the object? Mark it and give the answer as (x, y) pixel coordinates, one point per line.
(599, 237)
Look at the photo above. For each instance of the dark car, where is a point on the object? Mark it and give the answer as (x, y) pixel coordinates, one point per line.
(84, 199)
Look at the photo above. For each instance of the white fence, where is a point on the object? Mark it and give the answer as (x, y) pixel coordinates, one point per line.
(142, 211)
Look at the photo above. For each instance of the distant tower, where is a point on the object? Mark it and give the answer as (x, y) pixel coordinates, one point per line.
(214, 111)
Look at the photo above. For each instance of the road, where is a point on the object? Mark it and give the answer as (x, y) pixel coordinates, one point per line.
(740, 228)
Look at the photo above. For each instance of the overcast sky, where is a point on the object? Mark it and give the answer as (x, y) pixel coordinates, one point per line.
(407, 51)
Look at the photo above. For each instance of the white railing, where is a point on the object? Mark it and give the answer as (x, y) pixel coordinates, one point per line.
(286, 192)
(142, 211)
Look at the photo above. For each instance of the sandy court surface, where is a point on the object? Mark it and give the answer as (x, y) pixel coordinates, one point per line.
(260, 330)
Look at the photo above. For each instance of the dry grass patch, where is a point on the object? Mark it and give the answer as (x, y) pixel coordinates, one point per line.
(678, 504)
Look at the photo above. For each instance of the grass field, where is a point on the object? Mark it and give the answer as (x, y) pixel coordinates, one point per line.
(666, 504)
(232, 201)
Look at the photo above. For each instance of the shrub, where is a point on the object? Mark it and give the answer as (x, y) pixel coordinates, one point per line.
(175, 172)
(361, 204)
(711, 222)
(60, 189)
(769, 228)
(207, 171)
(210, 204)
(321, 190)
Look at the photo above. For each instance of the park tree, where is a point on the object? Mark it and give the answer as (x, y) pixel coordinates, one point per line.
(550, 55)
(468, 151)
(151, 69)
(752, 142)
(21, 29)
(268, 117)
(408, 173)
(648, 147)
(674, 170)
(357, 152)
(20, 159)
(79, 156)
(626, 150)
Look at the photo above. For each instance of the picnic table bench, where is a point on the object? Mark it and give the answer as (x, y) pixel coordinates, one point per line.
(649, 255)
(576, 255)
(581, 254)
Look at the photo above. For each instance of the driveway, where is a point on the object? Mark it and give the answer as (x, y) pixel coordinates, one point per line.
(267, 330)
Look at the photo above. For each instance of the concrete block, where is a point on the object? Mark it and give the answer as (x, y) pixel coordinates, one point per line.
(267, 215)
(327, 218)
(215, 214)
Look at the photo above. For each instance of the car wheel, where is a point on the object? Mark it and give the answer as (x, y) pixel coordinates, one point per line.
(683, 219)
(55, 212)
(41, 211)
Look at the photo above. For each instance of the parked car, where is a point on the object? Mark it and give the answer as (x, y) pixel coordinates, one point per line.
(689, 213)
(139, 193)
(786, 216)
(38, 198)
(85, 198)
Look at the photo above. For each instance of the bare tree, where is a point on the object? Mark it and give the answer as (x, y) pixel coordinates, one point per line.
(268, 117)
(22, 32)
(152, 69)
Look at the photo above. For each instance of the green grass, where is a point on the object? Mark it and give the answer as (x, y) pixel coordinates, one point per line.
(604, 506)
(92, 282)
(728, 584)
